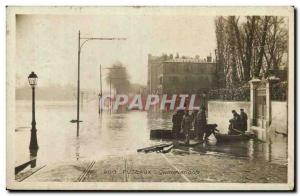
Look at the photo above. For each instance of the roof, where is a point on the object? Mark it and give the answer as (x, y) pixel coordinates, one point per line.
(189, 60)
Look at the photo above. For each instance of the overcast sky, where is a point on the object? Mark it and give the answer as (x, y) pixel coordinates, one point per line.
(47, 44)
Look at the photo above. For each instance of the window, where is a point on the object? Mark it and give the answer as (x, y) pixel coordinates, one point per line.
(201, 69)
(187, 68)
(175, 68)
(175, 79)
(172, 68)
(160, 80)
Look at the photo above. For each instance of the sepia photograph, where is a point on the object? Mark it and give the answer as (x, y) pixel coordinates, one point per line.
(177, 98)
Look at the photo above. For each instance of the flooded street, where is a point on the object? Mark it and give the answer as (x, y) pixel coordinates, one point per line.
(116, 134)
(150, 98)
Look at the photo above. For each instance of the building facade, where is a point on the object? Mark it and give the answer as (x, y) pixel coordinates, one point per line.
(168, 75)
(154, 64)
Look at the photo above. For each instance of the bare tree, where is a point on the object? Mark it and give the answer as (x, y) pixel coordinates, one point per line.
(232, 49)
(261, 47)
(220, 52)
(249, 46)
(277, 43)
(249, 28)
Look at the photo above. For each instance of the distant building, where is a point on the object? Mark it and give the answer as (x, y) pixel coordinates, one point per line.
(154, 70)
(180, 75)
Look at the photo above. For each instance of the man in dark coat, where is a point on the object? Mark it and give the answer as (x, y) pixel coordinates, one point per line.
(235, 124)
(244, 119)
(186, 126)
(202, 122)
(177, 120)
(195, 123)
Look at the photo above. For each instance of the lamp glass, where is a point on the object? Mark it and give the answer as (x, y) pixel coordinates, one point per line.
(32, 79)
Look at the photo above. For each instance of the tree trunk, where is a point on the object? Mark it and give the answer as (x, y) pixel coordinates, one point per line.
(262, 47)
(249, 47)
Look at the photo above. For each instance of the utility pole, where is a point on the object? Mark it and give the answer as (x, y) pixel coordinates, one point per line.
(80, 45)
(100, 80)
(78, 84)
(109, 95)
(82, 95)
(100, 93)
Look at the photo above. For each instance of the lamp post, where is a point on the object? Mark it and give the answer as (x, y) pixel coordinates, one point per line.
(33, 146)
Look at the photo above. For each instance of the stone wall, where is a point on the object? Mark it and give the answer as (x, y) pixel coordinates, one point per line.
(279, 116)
(219, 112)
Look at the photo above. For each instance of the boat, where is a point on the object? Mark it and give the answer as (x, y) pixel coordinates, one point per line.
(161, 134)
(191, 144)
(232, 138)
(167, 134)
(157, 148)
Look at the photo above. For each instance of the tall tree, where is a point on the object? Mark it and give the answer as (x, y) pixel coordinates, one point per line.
(239, 45)
(277, 43)
(118, 77)
(249, 38)
(248, 46)
(220, 52)
(262, 43)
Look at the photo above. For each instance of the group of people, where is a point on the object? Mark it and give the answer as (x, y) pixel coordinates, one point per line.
(238, 124)
(183, 120)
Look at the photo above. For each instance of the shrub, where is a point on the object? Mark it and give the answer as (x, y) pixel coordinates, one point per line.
(231, 94)
(279, 91)
(242, 93)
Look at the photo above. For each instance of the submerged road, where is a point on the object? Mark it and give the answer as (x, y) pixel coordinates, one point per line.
(106, 151)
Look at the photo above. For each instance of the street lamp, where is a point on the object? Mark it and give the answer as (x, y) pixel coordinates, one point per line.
(33, 146)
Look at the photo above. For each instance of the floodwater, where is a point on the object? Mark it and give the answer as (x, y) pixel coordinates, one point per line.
(114, 134)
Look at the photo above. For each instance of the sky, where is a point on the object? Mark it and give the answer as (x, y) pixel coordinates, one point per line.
(48, 44)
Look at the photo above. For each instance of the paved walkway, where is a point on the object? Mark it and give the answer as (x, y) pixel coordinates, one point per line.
(157, 167)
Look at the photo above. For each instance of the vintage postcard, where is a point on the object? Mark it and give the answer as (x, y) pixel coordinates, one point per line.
(150, 98)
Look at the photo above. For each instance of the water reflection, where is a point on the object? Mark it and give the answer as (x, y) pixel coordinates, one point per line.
(77, 149)
(118, 134)
(274, 150)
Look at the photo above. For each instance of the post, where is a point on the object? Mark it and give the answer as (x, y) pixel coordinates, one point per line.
(109, 95)
(33, 146)
(100, 95)
(81, 100)
(78, 83)
(253, 85)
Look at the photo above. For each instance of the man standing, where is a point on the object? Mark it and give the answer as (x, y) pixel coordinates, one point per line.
(235, 124)
(202, 123)
(186, 126)
(195, 123)
(244, 119)
(177, 120)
